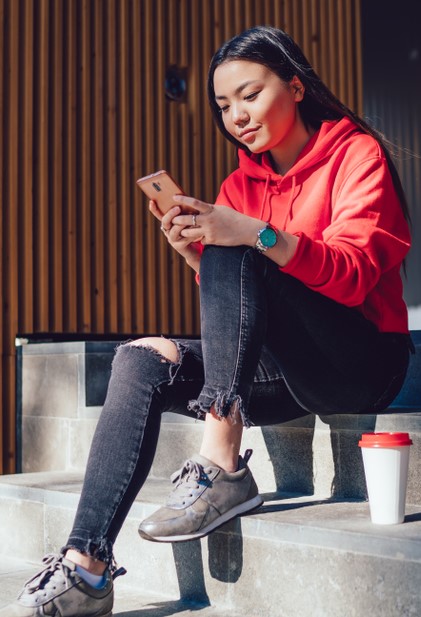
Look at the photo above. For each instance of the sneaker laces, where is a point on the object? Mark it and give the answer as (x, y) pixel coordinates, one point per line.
(53, 574)
(188, 479)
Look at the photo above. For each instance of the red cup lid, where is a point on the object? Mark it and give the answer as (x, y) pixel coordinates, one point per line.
(384, 440)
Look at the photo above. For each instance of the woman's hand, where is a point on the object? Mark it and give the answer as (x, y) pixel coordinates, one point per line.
(185, 246)
(218, 225)
(221, 226)
(224, 226)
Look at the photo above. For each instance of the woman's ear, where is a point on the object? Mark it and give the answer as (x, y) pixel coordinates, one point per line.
(298, 88)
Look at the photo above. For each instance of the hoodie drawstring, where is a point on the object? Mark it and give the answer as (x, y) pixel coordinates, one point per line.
(288, 213)
(288, 210)
(265, 192)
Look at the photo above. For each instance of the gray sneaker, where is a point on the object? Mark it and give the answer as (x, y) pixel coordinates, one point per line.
(58, 591)
(204, 498)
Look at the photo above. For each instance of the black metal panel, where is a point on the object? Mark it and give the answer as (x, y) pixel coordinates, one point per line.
(391, 36)
(98, 359)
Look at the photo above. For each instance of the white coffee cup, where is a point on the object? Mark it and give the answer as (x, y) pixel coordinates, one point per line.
(386, 459)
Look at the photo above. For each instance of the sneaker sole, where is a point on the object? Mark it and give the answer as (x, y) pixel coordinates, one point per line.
(242, 508)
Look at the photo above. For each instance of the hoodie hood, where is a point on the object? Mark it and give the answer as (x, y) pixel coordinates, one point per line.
(320, 146)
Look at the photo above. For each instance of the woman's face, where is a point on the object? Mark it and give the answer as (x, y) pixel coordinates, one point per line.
(257, 107)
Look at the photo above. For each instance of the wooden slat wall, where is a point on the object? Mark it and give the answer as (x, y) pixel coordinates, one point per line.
(83, 114)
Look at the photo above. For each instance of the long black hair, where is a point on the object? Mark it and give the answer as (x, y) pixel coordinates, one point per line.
(276, 50)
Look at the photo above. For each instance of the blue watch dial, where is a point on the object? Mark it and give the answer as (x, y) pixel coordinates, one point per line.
(268, 237)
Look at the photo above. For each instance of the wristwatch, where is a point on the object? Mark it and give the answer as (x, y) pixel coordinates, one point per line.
(267, 237)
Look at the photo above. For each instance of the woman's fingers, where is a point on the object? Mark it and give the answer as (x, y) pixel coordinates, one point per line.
(187, 220)
(193, 219)
(201, 206)
(167, 219)
(174, 223)
(172, 231)
(153, 208)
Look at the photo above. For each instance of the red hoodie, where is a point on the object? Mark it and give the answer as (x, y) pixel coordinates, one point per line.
(339, 200)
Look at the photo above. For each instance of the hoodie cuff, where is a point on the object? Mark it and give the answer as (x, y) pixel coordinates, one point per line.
(299, 265)
(296, 258)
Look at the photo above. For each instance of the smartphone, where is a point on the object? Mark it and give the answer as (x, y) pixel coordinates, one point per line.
(161, 187)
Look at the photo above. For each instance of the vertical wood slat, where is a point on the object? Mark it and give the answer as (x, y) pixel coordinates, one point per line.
(162, 280)
(123, 131)
(70, 173)
(41, 170)
(84, 155)
(139, 214)
(111, 247)
(149, 162)
(10, 195)
(83, 115)
(56, 178)
(358, 60)
(98, 222)
(26, 313)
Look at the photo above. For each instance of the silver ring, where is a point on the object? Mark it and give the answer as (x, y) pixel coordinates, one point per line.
(163, 229)
(194, 220)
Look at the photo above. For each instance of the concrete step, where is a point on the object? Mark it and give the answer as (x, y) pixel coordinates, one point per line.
(128, 602)
(296, 556)
(63, 386)
(309, 551)
(313, 455)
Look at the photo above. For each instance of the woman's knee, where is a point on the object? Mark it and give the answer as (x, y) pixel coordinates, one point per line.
(162, 345)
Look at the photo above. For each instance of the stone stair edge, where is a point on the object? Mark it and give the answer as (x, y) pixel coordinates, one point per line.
(407, 419)
(14, 572)
(284, 517)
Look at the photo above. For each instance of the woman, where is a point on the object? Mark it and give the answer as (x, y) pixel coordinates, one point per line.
(301, 312)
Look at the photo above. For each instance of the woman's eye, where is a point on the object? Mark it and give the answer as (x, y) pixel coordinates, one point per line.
(251, 97)
(224, 109)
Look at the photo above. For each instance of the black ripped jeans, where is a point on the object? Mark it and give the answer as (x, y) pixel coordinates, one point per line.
(270, 344)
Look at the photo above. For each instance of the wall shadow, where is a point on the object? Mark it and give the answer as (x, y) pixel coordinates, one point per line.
(225, 561)
(188, 561)
(290, 448)
(345, 432)
(225, 552)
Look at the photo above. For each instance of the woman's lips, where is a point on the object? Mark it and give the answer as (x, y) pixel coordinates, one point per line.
(248, 134)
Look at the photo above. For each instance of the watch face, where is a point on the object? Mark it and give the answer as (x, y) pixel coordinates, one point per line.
(268, 237)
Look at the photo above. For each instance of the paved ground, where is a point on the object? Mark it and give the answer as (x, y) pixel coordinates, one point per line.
(127, 604)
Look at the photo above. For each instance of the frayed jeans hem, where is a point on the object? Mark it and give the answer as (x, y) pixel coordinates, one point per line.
(225, 404)
(101, 550)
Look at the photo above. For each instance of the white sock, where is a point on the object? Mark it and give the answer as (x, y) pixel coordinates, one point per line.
(94, 580)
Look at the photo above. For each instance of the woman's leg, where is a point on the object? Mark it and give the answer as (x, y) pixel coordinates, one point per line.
(145, 381)
(221, 440)
(318, 356)
(330, 357)
(217, 485)
(125, 439)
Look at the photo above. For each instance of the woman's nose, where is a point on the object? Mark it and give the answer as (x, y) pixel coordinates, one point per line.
(239, 116)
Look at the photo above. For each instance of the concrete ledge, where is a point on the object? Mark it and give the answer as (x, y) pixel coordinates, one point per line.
(128, 602)
(297, 555)
(313, 455)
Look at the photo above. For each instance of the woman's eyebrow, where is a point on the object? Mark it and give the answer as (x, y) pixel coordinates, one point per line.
(238, 90)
